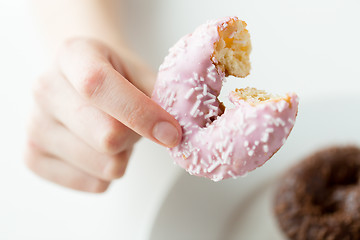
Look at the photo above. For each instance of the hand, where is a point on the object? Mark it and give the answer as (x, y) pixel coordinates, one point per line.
(89, 112)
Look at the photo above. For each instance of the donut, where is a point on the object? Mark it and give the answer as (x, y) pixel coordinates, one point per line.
(219, 142)
(319, 198)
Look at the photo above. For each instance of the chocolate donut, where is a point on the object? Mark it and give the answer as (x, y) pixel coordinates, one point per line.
(320, 197)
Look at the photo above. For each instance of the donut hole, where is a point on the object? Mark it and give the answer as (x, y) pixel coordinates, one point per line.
(331, 181)
(344, 174)
(233, 49)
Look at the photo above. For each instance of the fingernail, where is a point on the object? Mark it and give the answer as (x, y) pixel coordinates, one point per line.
(166, 133)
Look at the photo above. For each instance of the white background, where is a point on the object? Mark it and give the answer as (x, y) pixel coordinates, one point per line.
(310, 47)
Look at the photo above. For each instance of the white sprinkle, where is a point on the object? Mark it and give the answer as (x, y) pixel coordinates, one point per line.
(273, 107)
(211, 77)
(250, 152)
(210, 159)
(213, 166)
(286, 130)
(188, 132)
(246, 143)
(269, 130)
(198, 88)
(204, 89)
(244, 175)
(250, 130)
(197, 169)
(195, 158)
(217, 178)
(225, 143)
(196, 76)
(290, 120)
(195, 107)
(266, 148)
(227, 153)
(211, 68)
(213, 107)
(211, 95)
(265, 137)
(199, 96)
(231, 174)
(281, 105)
(256, 142)
(267, 116)
(191, 169)
(217, 155)
(197, 112)
(187, 125)
(204, 163)
(209, 115)
(280, 121)
(170, 101)
(207, 102)
(189, 93)
(192, 81)
(191, 147)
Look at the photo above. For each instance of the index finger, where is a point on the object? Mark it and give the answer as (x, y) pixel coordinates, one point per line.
(87, 67)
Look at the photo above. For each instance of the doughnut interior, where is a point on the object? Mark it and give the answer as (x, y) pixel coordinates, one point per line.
(232, 51)
(255, 96)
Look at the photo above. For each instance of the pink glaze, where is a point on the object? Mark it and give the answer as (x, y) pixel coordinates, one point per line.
(242, 138)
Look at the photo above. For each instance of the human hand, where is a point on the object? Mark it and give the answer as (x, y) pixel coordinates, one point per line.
(90, 109)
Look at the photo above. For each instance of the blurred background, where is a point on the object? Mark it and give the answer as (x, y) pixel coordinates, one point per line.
(309, 47)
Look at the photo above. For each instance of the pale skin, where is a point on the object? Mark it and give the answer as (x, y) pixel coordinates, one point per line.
(94, 103)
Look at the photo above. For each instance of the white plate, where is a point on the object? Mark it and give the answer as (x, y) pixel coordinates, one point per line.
(198, 208)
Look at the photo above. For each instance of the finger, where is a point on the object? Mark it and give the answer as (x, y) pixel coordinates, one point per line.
(94, 78)
(62, 173)
(61, 143)
(55, 95)
(141, 76)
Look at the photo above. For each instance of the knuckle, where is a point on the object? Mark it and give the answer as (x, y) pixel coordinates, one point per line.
(116, 167)
(92, 80)
(111, 141)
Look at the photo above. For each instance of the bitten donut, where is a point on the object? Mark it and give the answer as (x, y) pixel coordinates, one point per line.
(220, 143)
(319, 198)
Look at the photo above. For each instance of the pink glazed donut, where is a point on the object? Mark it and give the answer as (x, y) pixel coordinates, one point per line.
(220, 143)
